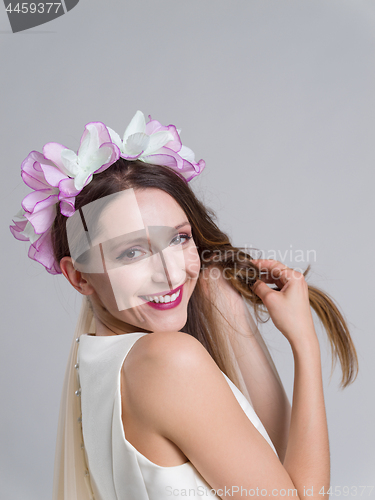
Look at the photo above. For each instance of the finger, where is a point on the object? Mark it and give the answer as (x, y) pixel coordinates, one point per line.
(277, 280)
(273, 271)
(262, 290)
(269, 264)
(280, 282)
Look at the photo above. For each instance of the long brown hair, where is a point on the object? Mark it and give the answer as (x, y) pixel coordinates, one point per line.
(214, 248)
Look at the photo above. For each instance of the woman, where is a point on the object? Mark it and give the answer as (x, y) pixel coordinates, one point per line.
(154, 402)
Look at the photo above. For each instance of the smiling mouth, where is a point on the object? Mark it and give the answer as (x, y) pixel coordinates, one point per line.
(164, 298)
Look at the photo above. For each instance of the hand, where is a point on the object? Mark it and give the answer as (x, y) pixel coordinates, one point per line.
(289, 308)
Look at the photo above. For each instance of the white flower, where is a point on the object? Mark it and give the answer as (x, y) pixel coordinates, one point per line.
(90, 158)
(136, 143)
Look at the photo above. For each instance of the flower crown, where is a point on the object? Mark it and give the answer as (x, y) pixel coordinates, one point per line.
(59, 174)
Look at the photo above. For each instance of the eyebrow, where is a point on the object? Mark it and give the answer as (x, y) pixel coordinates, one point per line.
(179, 226)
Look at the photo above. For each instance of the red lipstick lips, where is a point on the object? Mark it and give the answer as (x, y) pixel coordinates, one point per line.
(168, 305)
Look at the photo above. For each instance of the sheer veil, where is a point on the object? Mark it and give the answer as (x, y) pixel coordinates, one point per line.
(252, 364)
(251, 358)
(71, 480)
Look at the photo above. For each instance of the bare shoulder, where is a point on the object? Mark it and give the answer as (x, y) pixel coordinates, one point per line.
(157, 373)
(164, 347)
(169, 378)
(166, 359)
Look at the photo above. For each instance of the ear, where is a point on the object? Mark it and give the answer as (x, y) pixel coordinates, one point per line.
(75, 277)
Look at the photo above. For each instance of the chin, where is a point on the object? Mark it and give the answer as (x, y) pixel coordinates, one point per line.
(171, 326)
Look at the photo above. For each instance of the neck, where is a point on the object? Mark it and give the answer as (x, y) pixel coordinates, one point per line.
(107, 325)
(115, 327)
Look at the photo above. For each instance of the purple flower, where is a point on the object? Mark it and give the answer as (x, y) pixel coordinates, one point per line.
(41, 245)
(57, 176)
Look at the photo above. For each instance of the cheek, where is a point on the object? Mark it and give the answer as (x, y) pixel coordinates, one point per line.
(103, 288)
(193, 263)
(127, 283)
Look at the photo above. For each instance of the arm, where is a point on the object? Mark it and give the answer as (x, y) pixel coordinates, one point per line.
(309, 422)
(260, 376)
(290, 311)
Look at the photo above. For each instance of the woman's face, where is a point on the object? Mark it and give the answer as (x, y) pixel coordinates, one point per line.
(144, 264)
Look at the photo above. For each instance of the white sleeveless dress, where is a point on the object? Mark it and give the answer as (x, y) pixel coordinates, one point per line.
(118, 471)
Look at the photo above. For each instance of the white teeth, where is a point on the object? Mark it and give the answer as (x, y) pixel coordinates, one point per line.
(164, 299)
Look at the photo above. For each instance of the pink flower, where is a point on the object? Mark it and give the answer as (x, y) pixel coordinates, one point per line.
(38, 212)
(41, 245)
(57, 176)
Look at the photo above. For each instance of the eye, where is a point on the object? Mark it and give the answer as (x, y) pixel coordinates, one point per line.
(129, 254)
(181, 236)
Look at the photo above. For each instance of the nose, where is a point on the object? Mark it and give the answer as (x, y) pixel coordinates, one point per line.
(168, 267)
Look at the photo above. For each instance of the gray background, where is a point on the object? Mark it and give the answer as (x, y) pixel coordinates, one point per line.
(278, 98)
